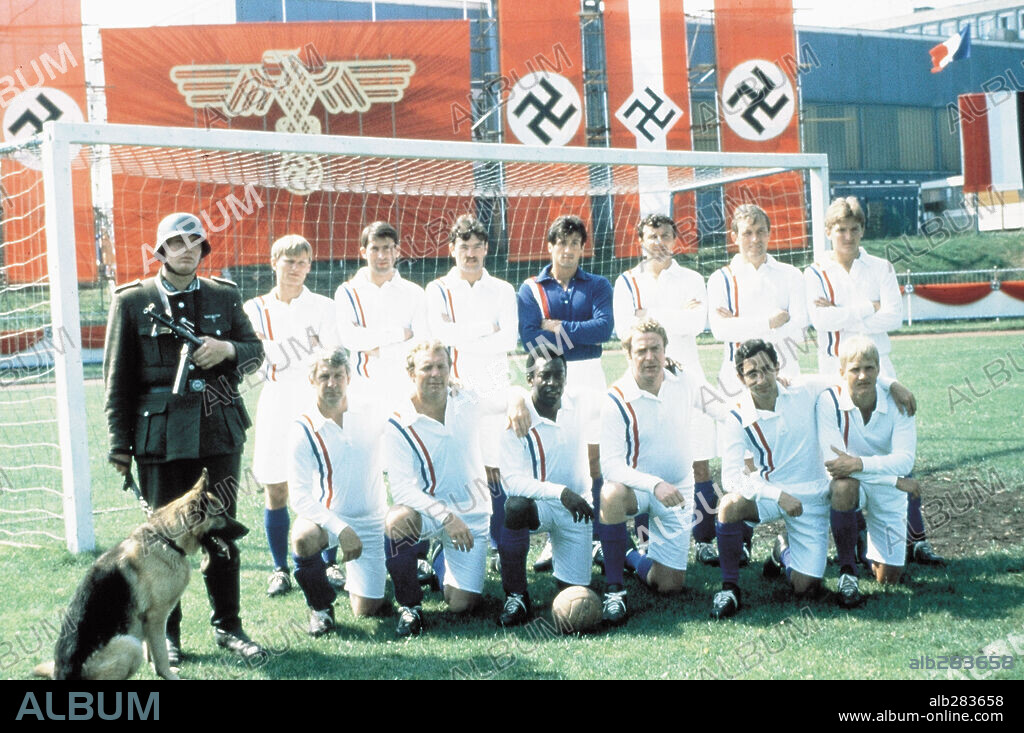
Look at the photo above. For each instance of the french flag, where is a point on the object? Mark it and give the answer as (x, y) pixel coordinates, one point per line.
(954, 48)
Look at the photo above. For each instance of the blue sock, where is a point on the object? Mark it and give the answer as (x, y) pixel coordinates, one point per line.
(512, 550)
(311, 575)
(439, 567)
(330, 555)
(497, 512)
(639, 563)
(614, 541)
(705, 506)
(844, 532)
(275, 522)
(915, 521)
(400, 559)
(595, 495)
(730, 547)
(641, 525)
(784, 559)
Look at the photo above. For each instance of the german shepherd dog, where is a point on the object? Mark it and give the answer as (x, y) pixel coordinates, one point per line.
(130, 591)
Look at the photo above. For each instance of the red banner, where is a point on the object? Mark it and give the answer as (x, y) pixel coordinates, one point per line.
(757, 83)
(42, 77)
(541, 89)
(386, 79)
(965, 293)
(649, 103)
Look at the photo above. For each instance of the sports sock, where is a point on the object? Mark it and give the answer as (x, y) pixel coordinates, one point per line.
(595, 495)
(439, 567)
(614, 541)
(311, 576)
(844, 532)
(730, 547)
(497, 512)
(330, 555)
(641, 528)
(915, 521)
(401, 564)
(512, 550)
(422, 548)
(639, 563)
(705, 504)
(276, 523)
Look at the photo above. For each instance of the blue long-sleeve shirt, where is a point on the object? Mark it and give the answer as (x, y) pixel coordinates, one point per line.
(584, 308)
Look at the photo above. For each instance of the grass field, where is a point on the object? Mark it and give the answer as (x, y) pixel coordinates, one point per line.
(971, 440)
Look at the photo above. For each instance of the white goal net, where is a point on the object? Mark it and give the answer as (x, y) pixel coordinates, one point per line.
(65, 241)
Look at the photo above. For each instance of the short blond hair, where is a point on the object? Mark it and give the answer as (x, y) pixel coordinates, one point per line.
(647, 325)
(856, 346)
(290, 245)
(844, 208)
(749, 211)
(430, 346)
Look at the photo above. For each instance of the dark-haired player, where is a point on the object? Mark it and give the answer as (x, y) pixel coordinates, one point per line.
(546, 478)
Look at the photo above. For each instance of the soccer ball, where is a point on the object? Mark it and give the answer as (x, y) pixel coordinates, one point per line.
(576, 609)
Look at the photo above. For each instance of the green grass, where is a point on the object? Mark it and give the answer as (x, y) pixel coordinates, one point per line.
(972, 605)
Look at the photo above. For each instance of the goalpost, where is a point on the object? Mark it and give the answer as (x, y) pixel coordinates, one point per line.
(252, 187)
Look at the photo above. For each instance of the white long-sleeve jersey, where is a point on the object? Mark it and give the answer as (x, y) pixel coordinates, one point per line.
(887, 445)
(437, 468)
(290, 332)
(753, 296)
(480, 323)
(852, 294)
(334, 471)
(665, 298)
(372, 317)
(646, 438)
(551, 457)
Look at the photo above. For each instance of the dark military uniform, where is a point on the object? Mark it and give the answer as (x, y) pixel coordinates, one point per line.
(173, 437)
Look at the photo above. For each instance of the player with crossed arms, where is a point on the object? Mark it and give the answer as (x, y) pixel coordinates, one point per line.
(868, 442)
(849, 293)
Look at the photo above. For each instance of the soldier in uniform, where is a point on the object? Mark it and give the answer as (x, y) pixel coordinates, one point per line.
(174, 436)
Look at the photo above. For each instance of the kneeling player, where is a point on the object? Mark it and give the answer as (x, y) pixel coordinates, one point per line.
(866, 439)
(337, 491)
(546, 475)
(434, 465)
(647, 463)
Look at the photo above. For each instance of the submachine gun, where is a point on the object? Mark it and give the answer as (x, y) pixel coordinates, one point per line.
(190, 341)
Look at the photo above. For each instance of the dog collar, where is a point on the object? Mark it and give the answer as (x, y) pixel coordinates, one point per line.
(169, 542)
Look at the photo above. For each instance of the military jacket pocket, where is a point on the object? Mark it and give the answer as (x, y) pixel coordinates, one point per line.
(151, 429)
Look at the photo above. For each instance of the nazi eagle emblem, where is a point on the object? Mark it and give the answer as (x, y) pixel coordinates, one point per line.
(243, 90)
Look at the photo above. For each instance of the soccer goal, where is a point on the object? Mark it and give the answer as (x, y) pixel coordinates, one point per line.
(80, 205)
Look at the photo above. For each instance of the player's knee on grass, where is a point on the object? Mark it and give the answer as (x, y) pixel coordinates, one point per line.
(665, 579)
(844, 493)
(888, 574)
(277, 495)
(402, 523)
(460, 601)
(736, 508)
(804, 585)
(307, 538)
(617, 502)
(521, 513)
(365, 606)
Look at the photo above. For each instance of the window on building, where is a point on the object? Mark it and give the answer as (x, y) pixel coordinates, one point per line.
(986, 26)
(1020, 20)
(948, 28)
(948, 135)
(932, 29)
(1006, 21)
(833, 129)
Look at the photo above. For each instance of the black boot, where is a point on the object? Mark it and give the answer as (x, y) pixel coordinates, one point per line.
(222, 588)
(173, 634)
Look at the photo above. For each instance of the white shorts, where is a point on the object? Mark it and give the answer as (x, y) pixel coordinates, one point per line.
(885, 511)
(585, 385)
(463, 570)
(808, 534)
(669, 528)
(704, 442)
(365, 576)
(280, 404)
(571, 542)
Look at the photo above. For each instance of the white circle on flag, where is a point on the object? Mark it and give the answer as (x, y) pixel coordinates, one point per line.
(26, 113)
(758, 100)
(544, 108)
